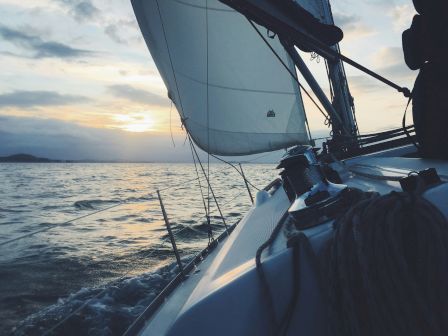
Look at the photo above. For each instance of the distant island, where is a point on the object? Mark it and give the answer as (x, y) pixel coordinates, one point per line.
(20, 158)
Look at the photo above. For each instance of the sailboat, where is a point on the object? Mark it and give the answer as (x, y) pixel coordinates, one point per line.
(300, 259)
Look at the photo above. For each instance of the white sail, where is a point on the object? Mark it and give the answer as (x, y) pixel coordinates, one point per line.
(233, 94)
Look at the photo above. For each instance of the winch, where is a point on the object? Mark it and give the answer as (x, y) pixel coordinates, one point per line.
(311, 194)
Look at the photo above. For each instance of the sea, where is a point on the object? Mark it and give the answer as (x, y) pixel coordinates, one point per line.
(92, 249)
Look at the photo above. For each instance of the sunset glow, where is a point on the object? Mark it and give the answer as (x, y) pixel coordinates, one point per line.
(136, 122)
(76, 73)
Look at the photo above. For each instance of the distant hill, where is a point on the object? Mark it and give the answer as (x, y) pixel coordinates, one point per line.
(25, 158)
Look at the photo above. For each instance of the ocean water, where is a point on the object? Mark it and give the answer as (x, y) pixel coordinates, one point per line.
(109, 266)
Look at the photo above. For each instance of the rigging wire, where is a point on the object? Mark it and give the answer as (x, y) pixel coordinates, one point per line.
(52, 226)
(171, 61)
(294, 76)
(207, 211)
(121, 203)
(171, 130)
(261, 157)
(208, 181)
(208, 115)
(239, 172)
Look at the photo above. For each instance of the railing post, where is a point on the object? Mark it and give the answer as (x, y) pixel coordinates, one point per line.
(247, 185)
(170, 233)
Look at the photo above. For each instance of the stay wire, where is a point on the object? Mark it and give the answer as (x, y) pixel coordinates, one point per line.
(52, 226)
(171, 129)
(207, 210)
(208, 114)
(234, 167)
(121, 203)
(208, 182)
(294, 76)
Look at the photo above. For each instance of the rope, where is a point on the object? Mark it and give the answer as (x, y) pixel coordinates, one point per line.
(403, 124)
(387, 268)
(262, 276)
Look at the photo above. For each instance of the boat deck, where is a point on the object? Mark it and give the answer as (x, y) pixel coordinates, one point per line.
(225, 294)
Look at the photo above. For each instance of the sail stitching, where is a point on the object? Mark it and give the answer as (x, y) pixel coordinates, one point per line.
(233, 88)
(204, 8)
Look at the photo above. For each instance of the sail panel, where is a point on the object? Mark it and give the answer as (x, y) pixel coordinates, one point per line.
(315, 7)
(234, 96)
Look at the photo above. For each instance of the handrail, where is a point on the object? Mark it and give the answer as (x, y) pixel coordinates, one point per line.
(136, 326)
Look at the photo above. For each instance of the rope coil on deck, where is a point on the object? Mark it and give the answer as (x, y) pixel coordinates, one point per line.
(388, 268)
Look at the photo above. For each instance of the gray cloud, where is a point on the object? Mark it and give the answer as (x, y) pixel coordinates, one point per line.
(352, 25)
(137, 95)
(344, 20)
(124, 31)
(38, 47)
(30, 99)
(81, 10)
(364, 84)
(113, 32)
(57, 139)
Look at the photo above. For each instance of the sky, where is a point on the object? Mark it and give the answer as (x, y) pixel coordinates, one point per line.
(77, 81)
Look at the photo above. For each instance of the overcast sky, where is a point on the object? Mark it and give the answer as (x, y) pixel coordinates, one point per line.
(77, 81)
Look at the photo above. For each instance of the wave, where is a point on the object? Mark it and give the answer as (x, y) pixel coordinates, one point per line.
(108, 310)
(96, 203)
(91, 204)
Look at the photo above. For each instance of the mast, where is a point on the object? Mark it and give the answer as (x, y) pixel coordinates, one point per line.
(341, 97)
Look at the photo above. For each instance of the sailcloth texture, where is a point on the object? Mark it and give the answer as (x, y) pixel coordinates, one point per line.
(232, 93)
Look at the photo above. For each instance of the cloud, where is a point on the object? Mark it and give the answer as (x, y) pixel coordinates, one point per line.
(352, 26)
(137, 95)
(344, 20)
(388, 56)
(57, 139)
(30, 99)
(362, 84)
(38, 47)
(81, 10)
(402, 16)
(113, 32)
(123, 31)
(390, 62)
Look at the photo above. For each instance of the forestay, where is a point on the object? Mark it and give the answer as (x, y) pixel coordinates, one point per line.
(233, 94)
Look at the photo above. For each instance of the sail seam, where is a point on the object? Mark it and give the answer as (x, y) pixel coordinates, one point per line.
(234, 88)
(202, 7)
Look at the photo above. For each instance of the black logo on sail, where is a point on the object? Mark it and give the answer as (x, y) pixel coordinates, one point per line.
(270, 114)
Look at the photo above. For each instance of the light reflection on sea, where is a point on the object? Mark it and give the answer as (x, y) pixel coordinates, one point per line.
(128, 240)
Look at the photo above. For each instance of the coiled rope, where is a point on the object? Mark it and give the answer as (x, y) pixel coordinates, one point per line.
(388, 268)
